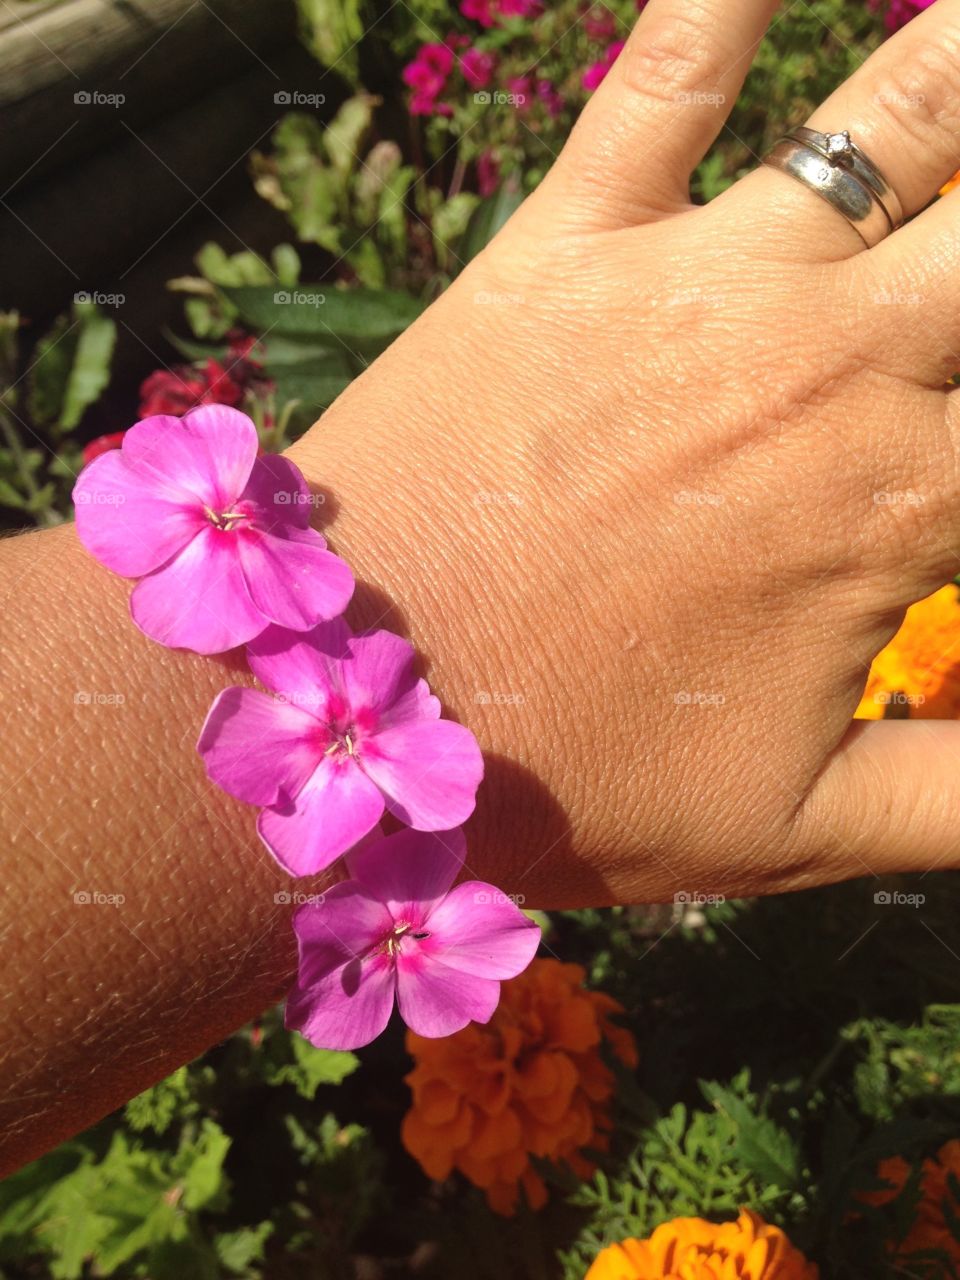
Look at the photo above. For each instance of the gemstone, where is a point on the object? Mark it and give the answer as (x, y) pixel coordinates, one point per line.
(839, 147)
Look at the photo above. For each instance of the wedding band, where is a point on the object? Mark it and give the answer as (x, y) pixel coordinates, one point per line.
(839, 148)
(837, 171)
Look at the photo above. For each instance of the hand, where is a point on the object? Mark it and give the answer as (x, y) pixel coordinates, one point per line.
(629, 478)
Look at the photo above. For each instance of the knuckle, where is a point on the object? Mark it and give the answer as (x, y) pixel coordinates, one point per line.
(921, 95)
(676, 55)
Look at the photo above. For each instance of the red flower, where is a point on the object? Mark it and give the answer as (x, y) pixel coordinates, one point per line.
(175, 391)
(102, 444)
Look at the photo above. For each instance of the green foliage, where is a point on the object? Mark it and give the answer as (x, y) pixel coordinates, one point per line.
(44, 395)
(209, 312)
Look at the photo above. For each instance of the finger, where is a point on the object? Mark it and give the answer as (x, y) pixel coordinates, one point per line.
(888, 800)
(913, 282)
(903, 109)
(658, 110)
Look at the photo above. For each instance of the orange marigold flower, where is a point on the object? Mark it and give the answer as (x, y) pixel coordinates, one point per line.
(918, 673)
(530, 1082)
(937, 1208)
(692, 1249)
(949, 186)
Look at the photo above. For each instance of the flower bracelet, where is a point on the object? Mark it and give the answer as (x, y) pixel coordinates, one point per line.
(218, 536)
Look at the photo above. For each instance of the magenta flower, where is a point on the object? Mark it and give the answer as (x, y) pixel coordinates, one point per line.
(398, 929)
(477, 68)
(427, 77)
(900, 12)
(354, 732)
(550, 96)
(479, 11)
(219, 537)
(596, 73)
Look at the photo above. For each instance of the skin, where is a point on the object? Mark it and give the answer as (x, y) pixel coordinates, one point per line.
(622, 478)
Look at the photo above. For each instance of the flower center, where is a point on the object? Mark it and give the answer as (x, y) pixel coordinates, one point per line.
(226, 521)
(391, 943)
(344, 742)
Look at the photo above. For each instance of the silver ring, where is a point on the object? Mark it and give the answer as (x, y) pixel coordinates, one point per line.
(841, 150)
(836, 170)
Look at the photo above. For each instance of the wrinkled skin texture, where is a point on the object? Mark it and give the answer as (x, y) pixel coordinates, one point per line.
(627, 509)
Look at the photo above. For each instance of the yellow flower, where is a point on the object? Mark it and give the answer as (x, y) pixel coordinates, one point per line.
(692, 1249)
(918, 673)
(530, 1082)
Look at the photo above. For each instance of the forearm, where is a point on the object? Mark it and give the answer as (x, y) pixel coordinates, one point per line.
(140, 919)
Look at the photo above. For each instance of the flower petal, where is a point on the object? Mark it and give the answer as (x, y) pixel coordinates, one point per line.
(429, 771)
(277, 486)
(409, 872)
(257, 748)
(305, 667)
(379, 671)
(344, 924)
(334, 810)
(436, 1001)
(345, 987)
(295, 584)
(198, 600)
(208, 454)
(126, 520)
(478, 930)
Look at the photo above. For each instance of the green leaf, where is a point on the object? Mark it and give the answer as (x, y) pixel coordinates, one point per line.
(356, 316)
(47, 380)
(343, 136)
(486, 220)
(331, 30)
(767, 1150)
(237, 1249)
(312, 1067)
(203, 1180)
(90, 368)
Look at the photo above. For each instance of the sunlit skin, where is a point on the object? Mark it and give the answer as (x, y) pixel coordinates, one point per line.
(600, 605)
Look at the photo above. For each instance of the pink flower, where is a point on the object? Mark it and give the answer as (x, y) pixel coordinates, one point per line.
(488, 173)
(520, 8)
(550, 97)
(599, 23)
(479, 11)
(900, 12)
(427, 76)
(595, 74)
(218, 536)
(398, 929)
(477, 68)
(354, 732)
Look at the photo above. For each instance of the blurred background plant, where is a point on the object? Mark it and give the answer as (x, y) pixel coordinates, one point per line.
(797, 1056)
